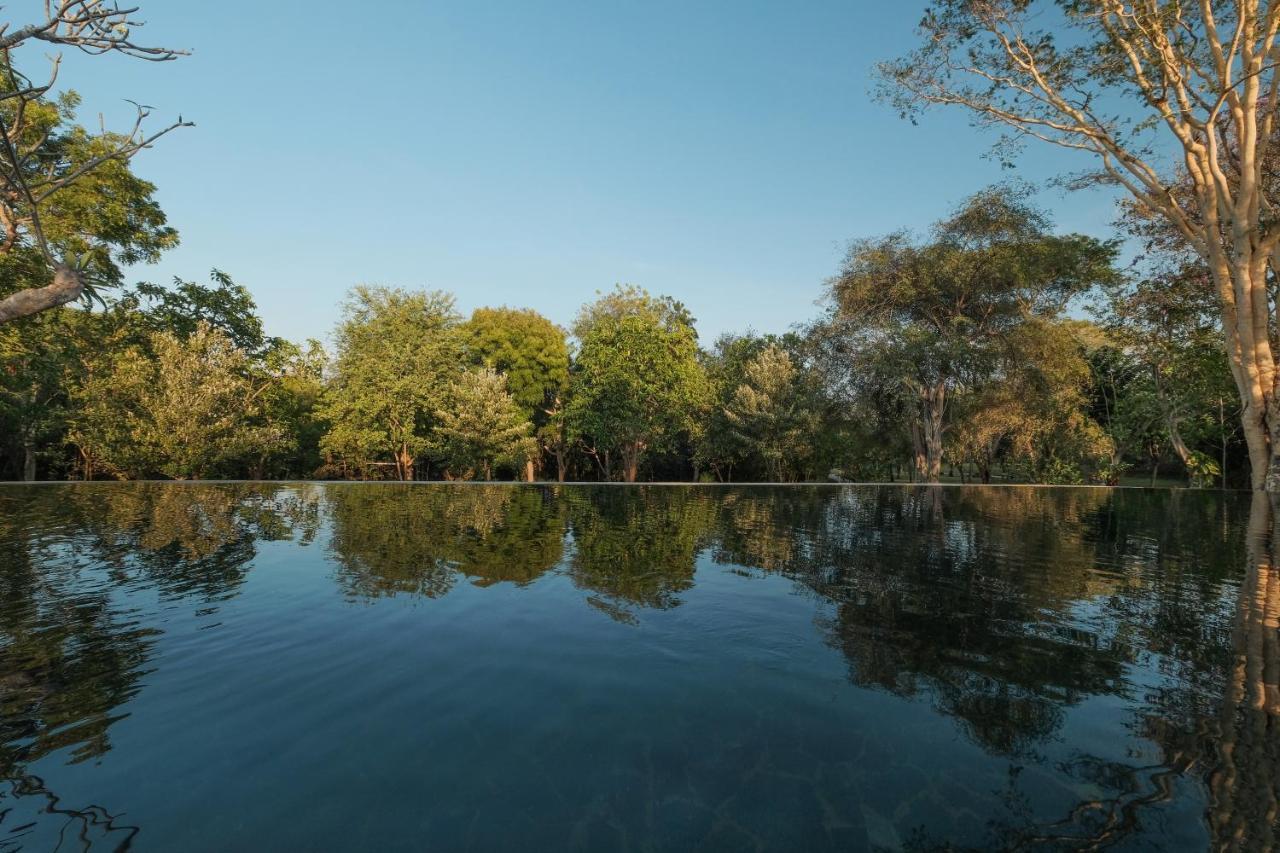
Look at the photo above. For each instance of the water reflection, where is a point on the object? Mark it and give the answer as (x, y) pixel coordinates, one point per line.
(1245, 778)
(636, 547)
(1011, 613)
(400, 539)
(71, 653)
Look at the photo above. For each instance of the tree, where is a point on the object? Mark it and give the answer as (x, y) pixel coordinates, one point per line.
(294, 393)
(1033, 410)
(1198, 81)
(397, 354)
(223, 304)
(40, 360)
(1167, 324)
(531, 352)
(638, 382)
(770, 415)
(190, 411)
(483, 424)
(52, 173)
(937, 317)
(718, 449)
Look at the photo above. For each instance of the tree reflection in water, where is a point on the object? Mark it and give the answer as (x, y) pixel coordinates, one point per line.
(1244, 782)
(636, 547)
(70, 653)
(1002, 608)
(390, 539)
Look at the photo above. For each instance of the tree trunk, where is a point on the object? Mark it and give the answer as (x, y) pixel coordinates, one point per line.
(1240, 279)
(1175, 441)
(932, 407)
(528, 471)
(1222, 430)
(28, 462)
(918, 454)
(404, 464)
(631, 460)
(1171, 420)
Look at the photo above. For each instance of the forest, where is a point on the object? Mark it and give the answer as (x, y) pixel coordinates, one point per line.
(989, 347)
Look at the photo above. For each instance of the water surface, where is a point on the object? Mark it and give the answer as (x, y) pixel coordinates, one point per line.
(458, 667)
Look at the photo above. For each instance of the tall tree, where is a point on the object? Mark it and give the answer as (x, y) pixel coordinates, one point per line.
(638, 382)
(1188, 131)
(483, 425)
(531, 352)
(770, 413)
(397, 353)
(937, 316)
(55, 176)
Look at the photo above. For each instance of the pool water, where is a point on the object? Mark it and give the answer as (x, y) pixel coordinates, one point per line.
(216, 667)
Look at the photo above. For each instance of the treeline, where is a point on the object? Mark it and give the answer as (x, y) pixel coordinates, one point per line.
(952, 354)
(989, 348)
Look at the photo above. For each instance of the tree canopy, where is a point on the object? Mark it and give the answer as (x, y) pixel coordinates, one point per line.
(1176, 103)
(397, 353)
(934, 318)
(637, 382)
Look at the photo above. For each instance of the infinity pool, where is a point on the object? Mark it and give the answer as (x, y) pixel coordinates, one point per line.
(462, 667)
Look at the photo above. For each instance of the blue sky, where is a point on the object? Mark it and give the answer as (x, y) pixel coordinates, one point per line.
(531, 154)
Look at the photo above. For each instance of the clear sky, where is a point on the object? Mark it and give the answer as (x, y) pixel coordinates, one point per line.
(532, 153)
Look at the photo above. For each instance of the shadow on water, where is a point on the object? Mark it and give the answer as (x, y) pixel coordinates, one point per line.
(1003, 610)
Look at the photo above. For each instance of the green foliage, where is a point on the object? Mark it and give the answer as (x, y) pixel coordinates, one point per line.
(1203, 470)
(1034, 409)
(719, 450)
(1168, 374)
(37, 361)
(190, 412)
(526, 348)
(638, 383)
(294, 389)
(927, 323)
(483, 425)
(397, 353)
(225, 305)
(770, 414)
(184, 382)
(105, 219)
